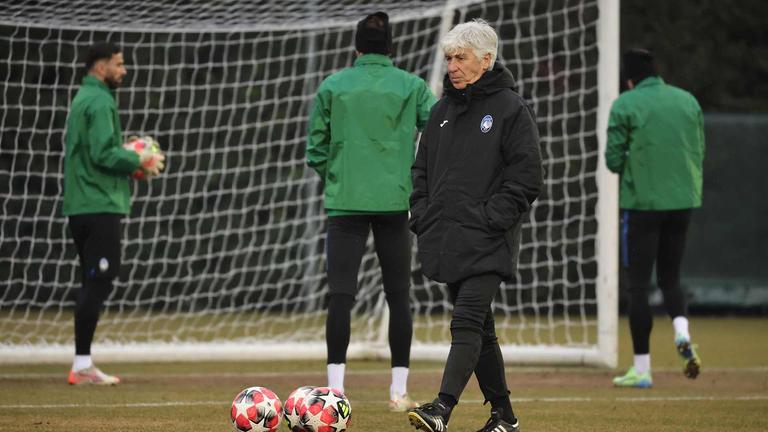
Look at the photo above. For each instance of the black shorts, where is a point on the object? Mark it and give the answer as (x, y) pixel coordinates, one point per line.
(97, 237)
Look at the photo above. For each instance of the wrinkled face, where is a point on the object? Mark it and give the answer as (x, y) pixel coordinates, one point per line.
(112, 71)
(464, 67)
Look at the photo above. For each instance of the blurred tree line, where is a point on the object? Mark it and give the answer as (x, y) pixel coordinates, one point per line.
(717, 50)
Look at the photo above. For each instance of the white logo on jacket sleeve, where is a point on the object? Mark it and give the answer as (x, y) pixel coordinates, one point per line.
(486, 123)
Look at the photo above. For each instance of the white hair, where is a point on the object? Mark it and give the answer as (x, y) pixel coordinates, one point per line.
(476, 35)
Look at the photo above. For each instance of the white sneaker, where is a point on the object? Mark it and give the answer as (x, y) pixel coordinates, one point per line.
(402, 403)
(92, 375)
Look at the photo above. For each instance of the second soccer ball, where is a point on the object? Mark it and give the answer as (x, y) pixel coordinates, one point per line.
(293, 406)
(325, 410)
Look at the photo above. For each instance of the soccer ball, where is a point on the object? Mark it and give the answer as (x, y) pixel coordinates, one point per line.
(256, 409)
(292, 406)
(325, 409)
(138, 145)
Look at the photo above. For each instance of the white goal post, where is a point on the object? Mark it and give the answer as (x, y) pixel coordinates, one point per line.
(223, 255)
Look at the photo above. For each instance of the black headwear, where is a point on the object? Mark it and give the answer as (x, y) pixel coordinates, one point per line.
(100, 51)
(374, 35)
(638, 65)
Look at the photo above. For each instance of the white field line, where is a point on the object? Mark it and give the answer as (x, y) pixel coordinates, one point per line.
(382, 402)
(194, 375)
(352, 372)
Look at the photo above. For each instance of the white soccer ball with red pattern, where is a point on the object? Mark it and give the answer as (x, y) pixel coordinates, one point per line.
(325, 410)
(139, 145)
(292, 408)
(256, 409)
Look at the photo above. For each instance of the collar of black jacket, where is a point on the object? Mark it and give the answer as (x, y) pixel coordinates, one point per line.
(490, 82)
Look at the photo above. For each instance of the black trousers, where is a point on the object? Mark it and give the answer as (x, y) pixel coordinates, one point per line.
(97, 239)
(345, 247)
(474, 346)
(648, 238)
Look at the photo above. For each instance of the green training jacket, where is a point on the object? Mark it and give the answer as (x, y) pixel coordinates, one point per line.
(656, 144)
(96, 166)
(361, 135)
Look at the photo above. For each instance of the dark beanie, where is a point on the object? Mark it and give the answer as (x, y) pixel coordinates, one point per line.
(638, 65)
(374, 35)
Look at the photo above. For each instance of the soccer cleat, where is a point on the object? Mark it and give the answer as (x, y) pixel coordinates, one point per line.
(691, 359)
(430, 417)
(633, 379)
(496, 424)
(92, 375)
(402, 403)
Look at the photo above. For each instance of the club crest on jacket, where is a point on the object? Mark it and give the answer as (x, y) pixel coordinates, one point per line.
(486, 123)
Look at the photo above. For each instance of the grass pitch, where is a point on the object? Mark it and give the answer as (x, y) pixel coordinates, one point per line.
(730, 394)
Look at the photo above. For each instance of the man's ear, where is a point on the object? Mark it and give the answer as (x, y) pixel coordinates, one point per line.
(630, 84)
(487, 61)
(97, 68)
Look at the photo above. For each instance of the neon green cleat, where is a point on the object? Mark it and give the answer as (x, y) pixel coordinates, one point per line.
(633, 379)
(691, 359)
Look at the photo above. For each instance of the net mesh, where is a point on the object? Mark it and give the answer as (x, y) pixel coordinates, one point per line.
(228, 243)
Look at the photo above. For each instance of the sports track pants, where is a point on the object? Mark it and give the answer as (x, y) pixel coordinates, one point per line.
(474, 346)
(97, 238)
(648, 237)
(345, 246)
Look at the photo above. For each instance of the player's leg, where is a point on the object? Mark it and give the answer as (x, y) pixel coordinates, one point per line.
(670, 256)
(472, 299)
(97, 238)
(393, 247)
(78, 229)
(345, 246)
(472, 302)
(640, 232)
(492, 380)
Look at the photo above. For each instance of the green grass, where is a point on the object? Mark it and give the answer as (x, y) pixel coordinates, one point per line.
(730, 395)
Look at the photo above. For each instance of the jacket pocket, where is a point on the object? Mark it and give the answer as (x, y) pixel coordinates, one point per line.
(428, 243)
(426, 221)
(469, 241)
(469, 213)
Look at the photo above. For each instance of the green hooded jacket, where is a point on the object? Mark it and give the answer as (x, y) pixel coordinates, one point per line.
(96, 166)
(362, 132)
(656, 144)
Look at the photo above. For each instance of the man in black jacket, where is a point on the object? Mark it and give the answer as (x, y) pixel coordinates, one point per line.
(477, 172)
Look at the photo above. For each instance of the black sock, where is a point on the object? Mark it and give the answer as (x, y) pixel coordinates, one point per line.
(449, 402)
(503, 406)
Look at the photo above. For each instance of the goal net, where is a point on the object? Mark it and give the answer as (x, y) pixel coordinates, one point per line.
(223, 255)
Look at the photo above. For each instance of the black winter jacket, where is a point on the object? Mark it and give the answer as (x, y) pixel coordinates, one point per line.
(477, 172)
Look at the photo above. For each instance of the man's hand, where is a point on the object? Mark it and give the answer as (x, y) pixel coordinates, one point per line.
(151, 162)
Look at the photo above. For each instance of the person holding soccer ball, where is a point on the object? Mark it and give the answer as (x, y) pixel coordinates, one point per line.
(656, 145)
(477, 172)
(97, 195)
(361, 144)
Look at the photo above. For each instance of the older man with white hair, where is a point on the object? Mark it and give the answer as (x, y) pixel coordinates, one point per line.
(476, 174)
